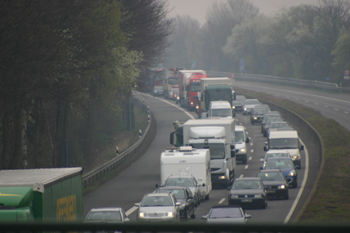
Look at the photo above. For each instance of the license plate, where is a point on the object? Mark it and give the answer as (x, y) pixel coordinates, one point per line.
(246, 200)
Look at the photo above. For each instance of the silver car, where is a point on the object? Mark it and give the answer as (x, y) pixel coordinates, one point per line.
(158, 207)
(249, 105)
(226, 214)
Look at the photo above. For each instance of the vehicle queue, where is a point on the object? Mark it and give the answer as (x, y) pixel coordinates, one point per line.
(254, 192)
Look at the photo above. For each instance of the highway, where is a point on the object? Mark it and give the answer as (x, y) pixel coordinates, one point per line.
(140, 178)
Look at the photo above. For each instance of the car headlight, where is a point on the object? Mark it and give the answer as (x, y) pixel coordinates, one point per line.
(141, 214)
(169, 214)
(245, 109)
(222, 177)
(197, 106)
(295, 157)
(242, 150)
(255, 118)
(191, 103)
(234, 196)
(258, 196)
(282, 186)
(178, 97)
(233, 107)
(292, 173)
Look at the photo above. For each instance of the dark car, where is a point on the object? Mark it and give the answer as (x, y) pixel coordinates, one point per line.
(257, 115)
(271, 114)
(237, 105)
(248, 192)
(275, 182)
(184, 196)
(277, 125)
(268, 123)
(286, 165)
(249, 104)
(226, 214)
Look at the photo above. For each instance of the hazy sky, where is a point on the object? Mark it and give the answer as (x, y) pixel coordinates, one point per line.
(197, 8)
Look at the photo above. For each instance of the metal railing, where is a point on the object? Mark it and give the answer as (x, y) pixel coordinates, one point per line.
(284, 81)
(103, 170)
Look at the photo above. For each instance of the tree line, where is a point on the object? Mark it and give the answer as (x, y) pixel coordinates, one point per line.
(304, 42)
(67, 68)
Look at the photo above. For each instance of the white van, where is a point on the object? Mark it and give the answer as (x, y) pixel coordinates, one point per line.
(187, 161)
(286, 140)
(220, 109)
(241, 146)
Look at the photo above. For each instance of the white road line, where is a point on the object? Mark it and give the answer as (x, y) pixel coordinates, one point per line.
(326, 106)
(131, 210)
(252, 150)
(306, 101)
(251, 144)
(222, 200)
(346, 112)
(316, 103)
(250, 158)
(306, 173)
(246, 166)
(336, 109)
(241, 176)
(247, 132)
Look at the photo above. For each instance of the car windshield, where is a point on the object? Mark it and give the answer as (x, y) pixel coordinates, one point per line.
(217, 150)
(252, 101)
(271, 176)
(105, 215)
(279, 164)
(225, 112)
(225, 213)
(276, 125)
(259, 111)
(187, 182)
(283, 143)
(195, 86)
(157, 201)
(247, 184)
(237, 102)
(239, 136)
(178, 193)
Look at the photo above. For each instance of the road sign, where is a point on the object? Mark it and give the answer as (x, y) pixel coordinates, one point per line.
(346, 72)
(232, 75)
(241, 65)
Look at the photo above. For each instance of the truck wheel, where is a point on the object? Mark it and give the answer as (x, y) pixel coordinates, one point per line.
(207, 197)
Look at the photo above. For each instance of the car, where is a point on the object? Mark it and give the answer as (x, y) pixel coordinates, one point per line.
(241, 146)
(249, 104)
(248, 192)
(268, 115)
(276, 183)
(158, 207)
(220, 109)
(183, 195)
(237, 105)
(157, 91)
(185, 181)
(107, 215)
(275, 153)
(268, 123)
(226, 214)
(277, 125)
(286, 165)
(257, 115)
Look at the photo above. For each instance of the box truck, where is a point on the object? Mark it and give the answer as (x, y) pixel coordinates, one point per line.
(187, 161)
(41, 195)
(219, 136)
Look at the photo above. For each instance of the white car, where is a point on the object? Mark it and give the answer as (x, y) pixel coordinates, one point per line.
(241, 146)
(107, 215)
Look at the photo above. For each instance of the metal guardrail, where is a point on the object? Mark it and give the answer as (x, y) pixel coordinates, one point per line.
(114, 163)
(279, 80)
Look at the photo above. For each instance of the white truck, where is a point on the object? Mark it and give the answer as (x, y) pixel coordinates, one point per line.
(219, 136)
(187, 161)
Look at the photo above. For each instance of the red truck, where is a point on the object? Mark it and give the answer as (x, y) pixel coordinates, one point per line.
(193, 84)
(185, 84)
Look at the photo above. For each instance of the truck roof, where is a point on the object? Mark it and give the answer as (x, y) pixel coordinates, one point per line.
(284, 134)
(220, 104)
(36, 178)
(210, 122)
(176, 156)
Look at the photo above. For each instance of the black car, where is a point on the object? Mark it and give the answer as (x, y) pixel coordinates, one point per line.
(276, 183)
(237, 105)
(257, 115)
(184, 196)
(248, 192)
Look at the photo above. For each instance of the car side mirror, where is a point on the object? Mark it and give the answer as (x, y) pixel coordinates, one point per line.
(302, 147)
(157, 186)
(261, 160)
(261, 168)
(204, 217)
(178, 203)
(248, 216)
(297, 167)
(137, 204)
(289, 180)
(247, 140)
(127, 219)
(266, 148)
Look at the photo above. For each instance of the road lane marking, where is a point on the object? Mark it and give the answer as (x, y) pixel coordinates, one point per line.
(326, 106)
(346, 112)
(222, 200)
(252, 150)
(241, 176)
(301, 190)
(250, 158)
(246, 166)
(316, 103)
(336, 109)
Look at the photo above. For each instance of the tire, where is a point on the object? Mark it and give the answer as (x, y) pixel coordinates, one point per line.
(193, 216)
(295, 185)
(286, 197)
(264, 205)
(207, 197)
